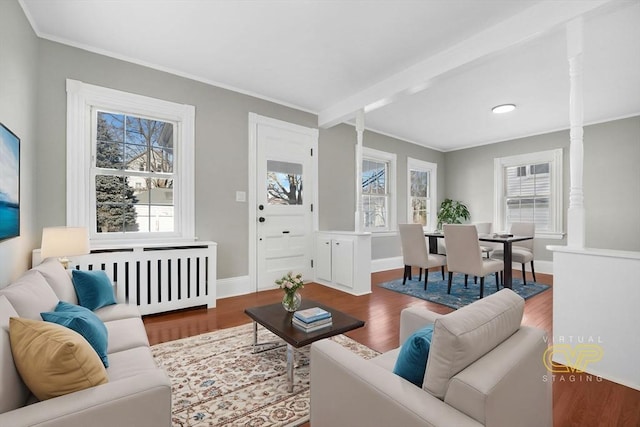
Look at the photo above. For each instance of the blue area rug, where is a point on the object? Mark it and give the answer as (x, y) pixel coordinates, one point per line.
(460, 296)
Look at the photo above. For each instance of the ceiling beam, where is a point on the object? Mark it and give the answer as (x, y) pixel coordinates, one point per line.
(530, 23)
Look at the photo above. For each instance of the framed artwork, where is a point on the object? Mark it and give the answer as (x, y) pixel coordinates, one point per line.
(9, 184)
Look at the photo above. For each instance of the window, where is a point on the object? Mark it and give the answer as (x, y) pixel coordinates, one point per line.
(422, 193)
(284, 183)
(528, 188)
(130, 158)
(378, 189)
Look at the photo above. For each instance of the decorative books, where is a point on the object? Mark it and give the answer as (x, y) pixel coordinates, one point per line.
(311, 315)
(313, 326)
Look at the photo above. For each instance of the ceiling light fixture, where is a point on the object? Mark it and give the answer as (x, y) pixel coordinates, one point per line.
(504, 108)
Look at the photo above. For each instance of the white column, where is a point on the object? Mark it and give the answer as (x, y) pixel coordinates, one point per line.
(576, 212)
(360, 137)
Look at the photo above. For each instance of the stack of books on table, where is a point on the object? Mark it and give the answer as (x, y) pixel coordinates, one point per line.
(311, 319)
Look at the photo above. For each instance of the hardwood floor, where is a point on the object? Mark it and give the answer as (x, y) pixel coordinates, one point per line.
(578, 400)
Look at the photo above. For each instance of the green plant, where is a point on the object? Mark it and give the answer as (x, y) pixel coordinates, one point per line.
(452, 212)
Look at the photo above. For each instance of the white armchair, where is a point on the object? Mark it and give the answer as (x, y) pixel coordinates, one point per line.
(483, 368)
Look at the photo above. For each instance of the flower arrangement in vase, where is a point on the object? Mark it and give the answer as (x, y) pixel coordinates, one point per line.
(290, 285)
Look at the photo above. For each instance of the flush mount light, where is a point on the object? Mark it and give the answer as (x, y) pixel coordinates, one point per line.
(504, 108)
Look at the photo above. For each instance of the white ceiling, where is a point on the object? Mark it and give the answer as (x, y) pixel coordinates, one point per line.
(433, 68)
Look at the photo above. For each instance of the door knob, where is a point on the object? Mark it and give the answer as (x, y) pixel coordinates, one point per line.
(261, 219)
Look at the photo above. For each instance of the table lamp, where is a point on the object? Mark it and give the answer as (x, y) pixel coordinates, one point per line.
(63, 242)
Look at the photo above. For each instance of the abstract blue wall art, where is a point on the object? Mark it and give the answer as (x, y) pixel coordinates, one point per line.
(9, 184)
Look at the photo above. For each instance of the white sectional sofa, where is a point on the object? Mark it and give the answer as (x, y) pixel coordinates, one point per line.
(137, 393)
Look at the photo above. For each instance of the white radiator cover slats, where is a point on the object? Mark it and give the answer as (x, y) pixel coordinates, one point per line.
(155, 278)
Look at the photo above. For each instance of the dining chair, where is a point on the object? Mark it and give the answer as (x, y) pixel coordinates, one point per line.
(522, 252)
(465, 256)
(415, 253)
(485, 228)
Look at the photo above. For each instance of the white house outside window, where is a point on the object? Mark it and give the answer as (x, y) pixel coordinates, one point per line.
(422, 193)
(528, 188)
(378, 189)
(130, 158)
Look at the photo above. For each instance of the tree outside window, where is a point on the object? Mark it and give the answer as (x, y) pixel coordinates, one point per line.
(134, 181)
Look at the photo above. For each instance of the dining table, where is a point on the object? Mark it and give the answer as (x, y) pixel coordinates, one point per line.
(506, 240)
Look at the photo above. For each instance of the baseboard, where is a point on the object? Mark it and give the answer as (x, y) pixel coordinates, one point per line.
(233, 287)
(545, 267)
(236, 286)
(383, 264)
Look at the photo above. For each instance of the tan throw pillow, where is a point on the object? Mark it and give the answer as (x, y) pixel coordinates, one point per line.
(53, 360)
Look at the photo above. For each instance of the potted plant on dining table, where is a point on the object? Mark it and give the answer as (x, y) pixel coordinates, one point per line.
(452, 212)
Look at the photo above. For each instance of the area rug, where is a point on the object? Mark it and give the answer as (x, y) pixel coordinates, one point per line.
(460, 296)
(218, 381)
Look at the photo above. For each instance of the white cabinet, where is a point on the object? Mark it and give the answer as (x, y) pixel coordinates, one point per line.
(343, 261)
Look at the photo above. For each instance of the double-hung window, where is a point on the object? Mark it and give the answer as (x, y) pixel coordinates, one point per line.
(130, 164)
(378, 189)
(422, 193)
(528, 188)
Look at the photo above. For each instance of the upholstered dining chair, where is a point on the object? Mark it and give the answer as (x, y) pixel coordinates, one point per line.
(522, 252)
(485, 228)
(465, 256)
(415, 253)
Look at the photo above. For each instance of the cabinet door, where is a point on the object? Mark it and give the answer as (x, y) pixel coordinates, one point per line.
(342, 260)
(323, 261)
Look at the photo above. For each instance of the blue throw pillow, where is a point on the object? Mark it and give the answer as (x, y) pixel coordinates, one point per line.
(412, 359)
(84, 322)
(93, 288)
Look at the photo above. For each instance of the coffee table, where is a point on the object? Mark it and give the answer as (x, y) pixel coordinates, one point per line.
(277, 320)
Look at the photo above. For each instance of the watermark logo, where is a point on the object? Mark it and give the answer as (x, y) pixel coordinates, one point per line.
(577, 357)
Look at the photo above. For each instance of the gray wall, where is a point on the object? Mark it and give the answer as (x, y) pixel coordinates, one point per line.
(337, 181)
(612, 185)
(611, 181)
(18, 67)
(221, 150)
(221, 141)
(389, 246)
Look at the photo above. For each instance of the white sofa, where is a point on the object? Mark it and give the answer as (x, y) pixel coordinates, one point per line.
(137, 393)
(483, 368)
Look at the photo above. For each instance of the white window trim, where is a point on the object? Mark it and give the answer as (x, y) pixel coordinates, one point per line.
(391, 158)
(81, 97)
(556, 200)
(432, 168)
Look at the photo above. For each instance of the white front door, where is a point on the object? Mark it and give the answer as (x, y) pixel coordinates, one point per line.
(285, 193)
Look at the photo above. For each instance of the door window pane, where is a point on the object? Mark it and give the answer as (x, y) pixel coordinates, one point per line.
(284, 183)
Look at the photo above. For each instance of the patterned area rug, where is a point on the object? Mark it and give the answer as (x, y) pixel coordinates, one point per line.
(460, 296)
(218, 381)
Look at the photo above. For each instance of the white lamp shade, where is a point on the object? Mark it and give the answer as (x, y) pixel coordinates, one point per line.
(64, 241)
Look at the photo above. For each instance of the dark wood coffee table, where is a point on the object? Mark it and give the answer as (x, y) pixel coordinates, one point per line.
(277, 320)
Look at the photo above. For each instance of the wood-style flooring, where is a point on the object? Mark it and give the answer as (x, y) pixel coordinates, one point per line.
(578, 400)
